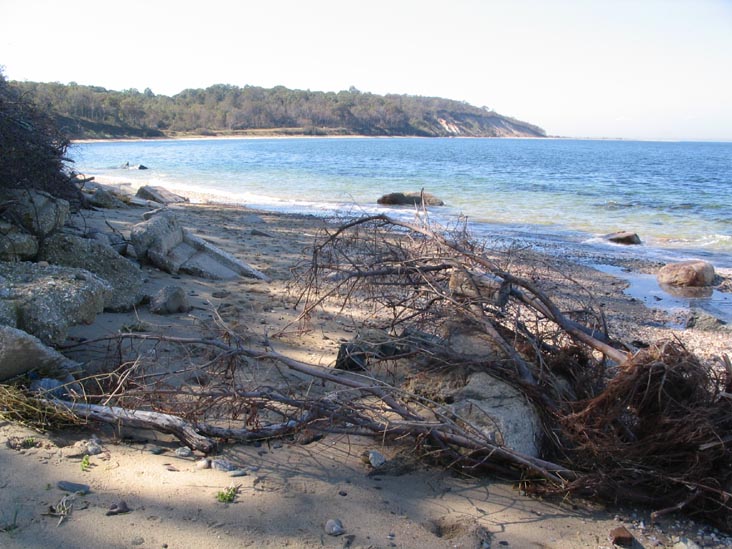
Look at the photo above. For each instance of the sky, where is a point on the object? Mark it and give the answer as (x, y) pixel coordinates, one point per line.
(634, 69)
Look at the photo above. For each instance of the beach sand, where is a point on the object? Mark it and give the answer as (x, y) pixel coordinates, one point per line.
(291, 490)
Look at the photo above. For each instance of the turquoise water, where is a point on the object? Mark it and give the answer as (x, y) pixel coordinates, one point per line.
(676, 196)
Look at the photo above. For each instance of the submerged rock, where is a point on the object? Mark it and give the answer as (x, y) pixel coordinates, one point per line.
(410, 199)
(624, 237)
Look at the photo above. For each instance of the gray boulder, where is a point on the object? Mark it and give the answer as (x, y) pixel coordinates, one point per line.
(165, 243)
(36, 211)
(410, 199)
(21, 352)
(44, 300)
(16, 244)
(159, 194)
(103, 198)
(500, 412)
(695, 273)
(124, 276)
(170, 300)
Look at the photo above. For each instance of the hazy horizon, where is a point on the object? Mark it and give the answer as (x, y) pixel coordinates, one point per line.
(649, 70)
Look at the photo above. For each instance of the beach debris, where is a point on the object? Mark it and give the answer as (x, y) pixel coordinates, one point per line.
(62, 509)
(160, 195)
(621, 536)
(170, 300)
(164, 242)
(417, 198)
(334, 527)
(120, 508)
(696, 273)
(627, 238)
(73, 487)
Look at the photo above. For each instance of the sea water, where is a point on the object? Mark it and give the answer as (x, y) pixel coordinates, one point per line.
(559, 193)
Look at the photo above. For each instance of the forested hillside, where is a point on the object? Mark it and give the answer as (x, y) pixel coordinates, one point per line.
(94, 112)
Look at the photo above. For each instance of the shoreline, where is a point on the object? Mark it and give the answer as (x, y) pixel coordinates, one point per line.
(290, 490)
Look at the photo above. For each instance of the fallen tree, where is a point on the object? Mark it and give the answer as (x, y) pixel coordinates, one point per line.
(650, 426)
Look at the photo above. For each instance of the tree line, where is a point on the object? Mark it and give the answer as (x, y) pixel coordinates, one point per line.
(95, 112)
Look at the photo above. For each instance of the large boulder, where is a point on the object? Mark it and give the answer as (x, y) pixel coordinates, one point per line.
(694, 273)
(500, 412)
(124, 276)
(410, 199)
(36, 211)
(159, 194)
(165, 243)
(45, 300)
(21, 352)
(16, 244)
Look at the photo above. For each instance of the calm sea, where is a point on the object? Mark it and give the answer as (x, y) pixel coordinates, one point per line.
(563, 194)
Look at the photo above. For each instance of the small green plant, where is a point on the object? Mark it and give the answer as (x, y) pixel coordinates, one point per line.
(29, 442)
(85, 463)
(227, 495)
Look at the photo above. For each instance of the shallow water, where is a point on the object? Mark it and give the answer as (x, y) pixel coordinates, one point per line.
(676, 196)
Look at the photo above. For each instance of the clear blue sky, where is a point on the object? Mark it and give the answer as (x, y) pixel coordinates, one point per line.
(585, 68)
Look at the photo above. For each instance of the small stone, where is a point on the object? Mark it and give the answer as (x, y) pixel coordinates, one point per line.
(237, 473)
(73, 487)
(183, 452)
(621, 536)
(93, 448)
(221, 464)
(118, 509)
(334, 527)
(156, 450)
(203, 464)
(376, 459)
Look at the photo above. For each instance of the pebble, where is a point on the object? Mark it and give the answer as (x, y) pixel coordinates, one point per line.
(156, 450)
(203, 463)
(183, 451)
(93, 447)
(73, 487)
(237, 473)
(334, 527)
(221, 464)
(375, 458)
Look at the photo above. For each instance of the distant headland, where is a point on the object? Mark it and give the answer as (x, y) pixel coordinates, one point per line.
(92, 112)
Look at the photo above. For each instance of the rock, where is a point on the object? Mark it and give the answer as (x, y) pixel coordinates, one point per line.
(21, 352)
(102, 198)
(469, 342)
(220, 464)
(56, 388)
(124, 276)
(118, 509)
(695, 273)
(16, 244)
(624, 237)
(183, 452)
(500, 412)
(164, 242)
(170, 300)
(375, 458)
(705, 322)
(159, 194)
(237, 473)
(36, 211)
(73, 487)
(334, 527)
(484, 287)
(621, 536)
(47, 300)
(410, 199)
(203, 463)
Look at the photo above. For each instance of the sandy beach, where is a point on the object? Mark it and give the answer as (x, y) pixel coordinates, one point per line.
(290, 490)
